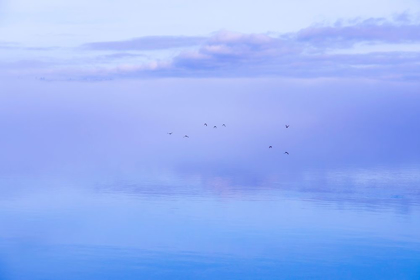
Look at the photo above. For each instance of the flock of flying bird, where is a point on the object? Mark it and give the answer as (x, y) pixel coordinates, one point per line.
(205, 124)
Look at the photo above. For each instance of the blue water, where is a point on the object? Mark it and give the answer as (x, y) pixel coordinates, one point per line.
(93, 188)
(335, 227)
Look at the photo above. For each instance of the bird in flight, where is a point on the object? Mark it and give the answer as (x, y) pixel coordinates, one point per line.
(186, 136)
(224, 125)
(205, 124)
(270, 147)
(287, 126)
(214, 126)
(170, 133)
(286, 153)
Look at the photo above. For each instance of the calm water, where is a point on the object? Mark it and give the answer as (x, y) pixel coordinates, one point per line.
(93, 187)
(328, 226)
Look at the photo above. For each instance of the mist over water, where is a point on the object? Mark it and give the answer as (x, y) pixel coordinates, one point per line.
(93, 187)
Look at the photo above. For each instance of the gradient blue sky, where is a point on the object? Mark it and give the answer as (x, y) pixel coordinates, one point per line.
(74, 40)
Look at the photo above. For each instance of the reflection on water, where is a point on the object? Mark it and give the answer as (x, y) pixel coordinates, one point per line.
(312, 225)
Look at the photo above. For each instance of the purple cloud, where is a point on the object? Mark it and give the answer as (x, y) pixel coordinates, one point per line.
(229, 48)
(146, 43)
(308, 53)
(121, 55)
(228, 54)
(304, 53)
(372, 31)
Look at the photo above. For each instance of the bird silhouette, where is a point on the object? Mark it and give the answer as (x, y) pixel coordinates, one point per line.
(287, 126)
(170, 133)
(205, 124)
(214, 126)
(224, 125)
(270, 147)
(186, 136)
(286, 153)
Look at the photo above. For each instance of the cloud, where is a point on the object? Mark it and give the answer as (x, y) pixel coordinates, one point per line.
(146, 43)
(41, 48)
(367, 31)
(8, 45)
(230, 54)
(121, 55)
(307, 53)
(230, 48)
(17, 46)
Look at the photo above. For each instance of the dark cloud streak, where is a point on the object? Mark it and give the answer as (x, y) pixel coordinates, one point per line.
(146, 43)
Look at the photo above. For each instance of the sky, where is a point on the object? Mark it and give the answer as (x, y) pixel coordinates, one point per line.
(102, 40)
(86, 85)
(119, 128)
